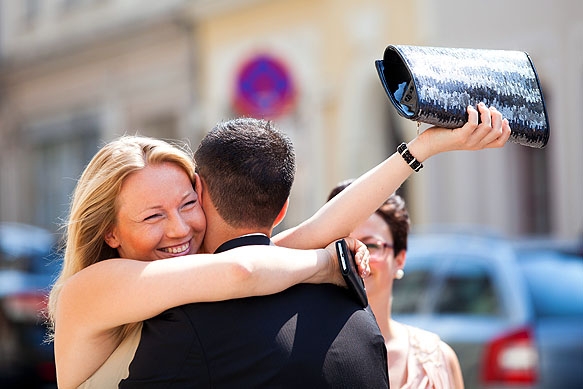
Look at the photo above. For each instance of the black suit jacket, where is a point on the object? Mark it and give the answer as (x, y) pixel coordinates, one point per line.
(307, 336)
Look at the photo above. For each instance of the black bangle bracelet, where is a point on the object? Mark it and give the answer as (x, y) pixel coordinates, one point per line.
(409, 158)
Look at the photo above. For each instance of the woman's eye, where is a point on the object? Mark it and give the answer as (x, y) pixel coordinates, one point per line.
(189, 204)
(152, 217)
(372, 246)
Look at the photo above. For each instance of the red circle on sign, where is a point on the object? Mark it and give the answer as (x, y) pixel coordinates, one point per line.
(264, 88)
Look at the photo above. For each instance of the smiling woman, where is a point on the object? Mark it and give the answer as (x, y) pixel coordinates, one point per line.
(154, 225)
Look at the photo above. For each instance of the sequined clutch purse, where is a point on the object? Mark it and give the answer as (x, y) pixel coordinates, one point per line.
(434, 85)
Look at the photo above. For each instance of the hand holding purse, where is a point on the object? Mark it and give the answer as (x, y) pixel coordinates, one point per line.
(434, 85)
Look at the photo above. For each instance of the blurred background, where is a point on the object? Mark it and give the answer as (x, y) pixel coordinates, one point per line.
(77, 73)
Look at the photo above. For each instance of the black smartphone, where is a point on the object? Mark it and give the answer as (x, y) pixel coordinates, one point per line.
(350, 273)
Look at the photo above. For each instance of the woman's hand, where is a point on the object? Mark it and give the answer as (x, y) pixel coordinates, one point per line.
(492, 132)
(361, 257)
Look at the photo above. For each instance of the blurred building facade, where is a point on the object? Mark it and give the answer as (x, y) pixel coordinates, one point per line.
(76, 73)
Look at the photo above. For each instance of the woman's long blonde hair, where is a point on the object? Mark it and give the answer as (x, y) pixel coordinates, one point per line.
(94, 204)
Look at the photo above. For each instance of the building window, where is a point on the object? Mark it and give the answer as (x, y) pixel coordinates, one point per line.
(162, 126)
(60, 151)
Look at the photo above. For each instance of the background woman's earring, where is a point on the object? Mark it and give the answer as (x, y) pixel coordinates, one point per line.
(399, 274)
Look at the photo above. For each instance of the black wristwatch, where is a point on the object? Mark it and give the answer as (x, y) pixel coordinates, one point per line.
(408, 157)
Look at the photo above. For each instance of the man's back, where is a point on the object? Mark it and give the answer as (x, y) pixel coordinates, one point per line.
(308, 335)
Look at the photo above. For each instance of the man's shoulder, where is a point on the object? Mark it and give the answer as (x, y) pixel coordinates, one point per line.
(310, 334)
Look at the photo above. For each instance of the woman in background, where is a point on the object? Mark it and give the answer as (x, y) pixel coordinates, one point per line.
(418, 359)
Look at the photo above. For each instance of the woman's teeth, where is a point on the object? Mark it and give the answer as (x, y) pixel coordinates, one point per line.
(177, 249)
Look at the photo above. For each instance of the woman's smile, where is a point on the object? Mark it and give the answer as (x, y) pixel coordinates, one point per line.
(181, 249)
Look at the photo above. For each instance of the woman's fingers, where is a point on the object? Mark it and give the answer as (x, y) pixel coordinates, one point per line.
(361, 256)
(492, 131)
(485, 115)
(495, 118)
(503, 138)
(472, 115)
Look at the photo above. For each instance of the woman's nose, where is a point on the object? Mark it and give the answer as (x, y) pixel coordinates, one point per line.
(177, 227)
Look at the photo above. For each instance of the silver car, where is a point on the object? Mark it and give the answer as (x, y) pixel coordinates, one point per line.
(512, 310)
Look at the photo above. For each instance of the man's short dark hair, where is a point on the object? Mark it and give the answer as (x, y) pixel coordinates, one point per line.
(248, 167)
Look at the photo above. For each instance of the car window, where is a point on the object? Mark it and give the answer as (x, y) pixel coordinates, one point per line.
(28, 249)
(41, 262)
(555, 283)
(468, 289)
(410, 291)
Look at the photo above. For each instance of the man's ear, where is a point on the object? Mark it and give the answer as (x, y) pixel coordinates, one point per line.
(281, 214)
(198, 188)
(111, 239)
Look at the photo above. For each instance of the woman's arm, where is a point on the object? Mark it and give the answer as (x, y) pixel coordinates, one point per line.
(120, 291)
(95, 302)
(453, 364)
(340, 216)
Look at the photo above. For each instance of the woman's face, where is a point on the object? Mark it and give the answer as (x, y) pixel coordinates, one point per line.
(375, 233)
(159, 215)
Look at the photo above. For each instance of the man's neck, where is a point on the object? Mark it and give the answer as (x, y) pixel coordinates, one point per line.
(219, 232)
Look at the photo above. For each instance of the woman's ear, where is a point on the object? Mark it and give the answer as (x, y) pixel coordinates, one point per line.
(400, 259)
(111, 239)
